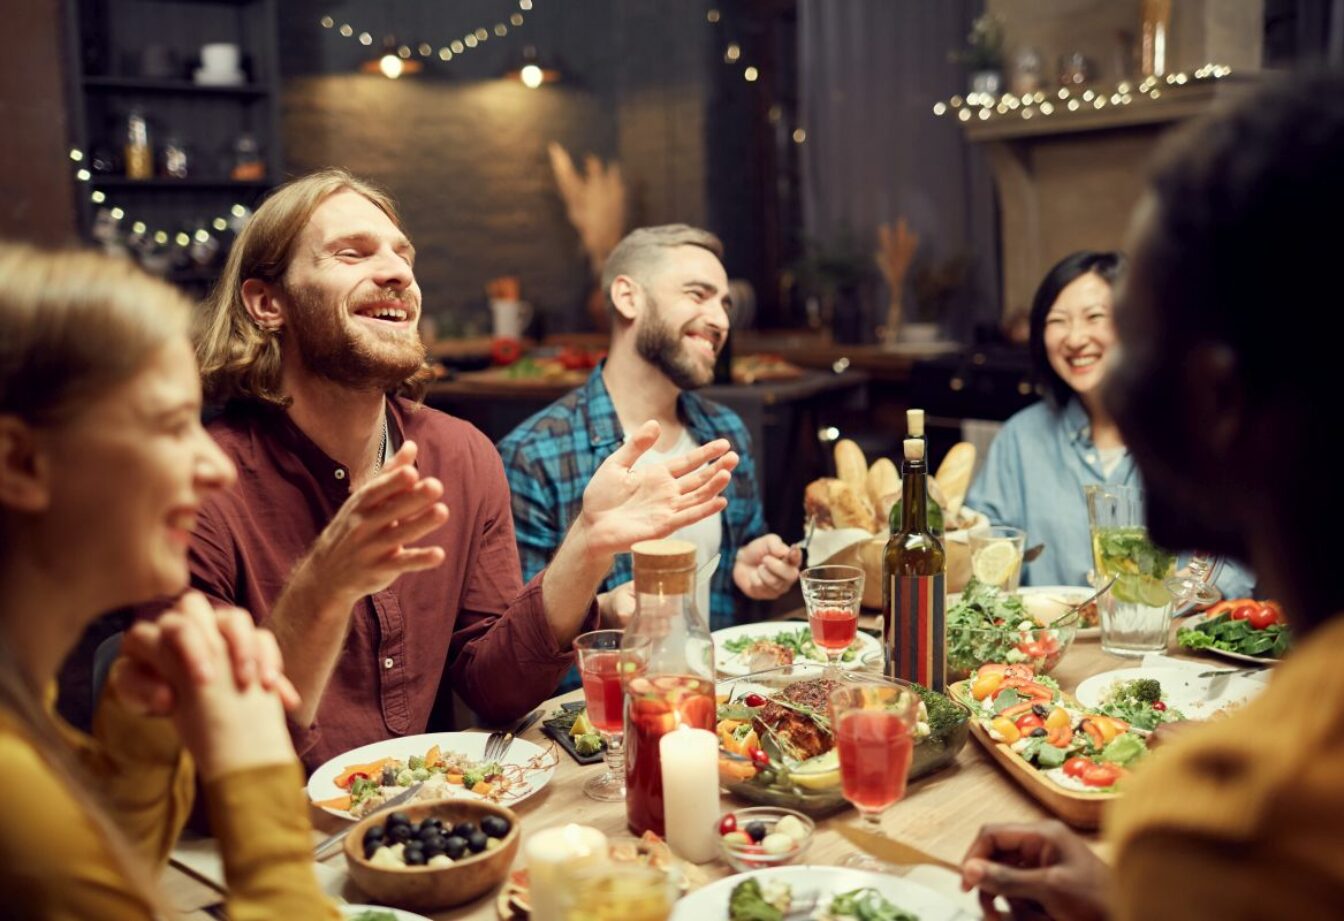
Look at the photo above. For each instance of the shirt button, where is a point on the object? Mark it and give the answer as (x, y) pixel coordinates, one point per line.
(340, 474)
(387, 663)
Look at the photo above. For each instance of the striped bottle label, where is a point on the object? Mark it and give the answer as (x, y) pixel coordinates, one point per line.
(915, 633)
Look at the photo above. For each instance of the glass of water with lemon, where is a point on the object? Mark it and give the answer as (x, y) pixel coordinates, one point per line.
(996, 556)
(1139, 618)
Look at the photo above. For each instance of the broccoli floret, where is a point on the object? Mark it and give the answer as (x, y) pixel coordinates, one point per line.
(944, 715)
(590, 743)
(472, 778)
(1144, 690)
(747, 903)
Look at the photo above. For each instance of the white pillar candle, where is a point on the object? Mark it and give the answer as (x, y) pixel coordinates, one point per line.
(691, 792)
(552, 855)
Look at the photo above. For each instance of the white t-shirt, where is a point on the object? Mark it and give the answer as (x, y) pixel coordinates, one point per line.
(1111, 457)
(706, 534)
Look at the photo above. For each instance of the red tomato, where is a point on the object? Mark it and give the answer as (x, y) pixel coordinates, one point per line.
(1264, 616)
(1222, 607)
(728, 824)
(1245, 610)
(1101, 775)
(1032, 650)
(1029, 721)
(1076, 766)
(505, 351)
(754, 700)
(760, 758)
(1159, 706)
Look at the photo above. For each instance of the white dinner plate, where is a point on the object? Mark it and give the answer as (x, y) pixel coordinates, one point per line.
(1195, 620)
(350, 912)
(537, 769)
(821, 882)
(733, 664)
(1182, 689)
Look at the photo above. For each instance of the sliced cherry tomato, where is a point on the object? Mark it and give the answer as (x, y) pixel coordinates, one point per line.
(1028, 722)
(754, 700)
(1264, 616)
(1245, 610)
(505, 351)
(1101, 775)
(1075, 766)
(728, 824)
(1159, 706)
(760, 758)
(1032, 650)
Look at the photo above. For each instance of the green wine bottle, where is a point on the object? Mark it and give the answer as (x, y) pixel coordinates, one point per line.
(914, 589)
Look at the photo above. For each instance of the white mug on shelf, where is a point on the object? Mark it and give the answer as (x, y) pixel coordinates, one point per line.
(510, 317)
(220, 58)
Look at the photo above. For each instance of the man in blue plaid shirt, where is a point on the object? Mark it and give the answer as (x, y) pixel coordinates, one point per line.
(668, 294)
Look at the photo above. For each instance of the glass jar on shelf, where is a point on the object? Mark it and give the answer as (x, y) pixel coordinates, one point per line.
(138, 153)
(247, 164)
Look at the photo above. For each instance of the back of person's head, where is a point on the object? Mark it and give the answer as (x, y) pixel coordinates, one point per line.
(1105, 265)
(239, 360)
(641, 251)
(1228, 379)
(74, 324)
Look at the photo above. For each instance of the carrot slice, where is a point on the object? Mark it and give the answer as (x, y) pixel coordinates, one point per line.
(433, 756)
(371, 770)
(336, 802)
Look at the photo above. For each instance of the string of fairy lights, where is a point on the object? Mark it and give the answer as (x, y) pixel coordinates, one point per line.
(990, 108)
(733, 56)
(473, 38)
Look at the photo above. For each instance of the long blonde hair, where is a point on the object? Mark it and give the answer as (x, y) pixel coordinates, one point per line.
(72, 326)
(239, 360)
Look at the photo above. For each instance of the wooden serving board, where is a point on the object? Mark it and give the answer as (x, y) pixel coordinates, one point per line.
(1081, 810)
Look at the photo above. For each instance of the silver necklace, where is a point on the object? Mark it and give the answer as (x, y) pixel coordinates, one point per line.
(382, 449)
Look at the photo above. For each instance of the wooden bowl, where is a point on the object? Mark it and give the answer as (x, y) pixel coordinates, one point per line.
(430, 888)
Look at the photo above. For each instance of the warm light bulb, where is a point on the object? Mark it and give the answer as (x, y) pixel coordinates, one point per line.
(531, 76)
(390, 65)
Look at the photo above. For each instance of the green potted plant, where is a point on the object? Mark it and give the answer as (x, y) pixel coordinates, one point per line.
(837, 273)
(983, 54)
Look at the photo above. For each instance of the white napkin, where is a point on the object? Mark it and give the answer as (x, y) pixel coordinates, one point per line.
(829, 542)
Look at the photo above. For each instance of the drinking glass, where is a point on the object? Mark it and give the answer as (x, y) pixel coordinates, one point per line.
(1138, 620)
(874, 724)
(1193, 585)
(833, 595)
(600, 666)
(618, 892)
(996, 556)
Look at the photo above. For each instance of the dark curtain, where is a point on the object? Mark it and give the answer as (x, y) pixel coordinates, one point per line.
(870, 72)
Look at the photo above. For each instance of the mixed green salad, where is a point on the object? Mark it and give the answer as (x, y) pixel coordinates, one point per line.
(990, 625)
(752, 901)
(1139, 703)
(797, 641)
(1240, 635)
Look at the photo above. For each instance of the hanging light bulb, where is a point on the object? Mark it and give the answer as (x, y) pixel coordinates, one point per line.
(391, 66)
(531, 76)
(532, 71)
(394, 61)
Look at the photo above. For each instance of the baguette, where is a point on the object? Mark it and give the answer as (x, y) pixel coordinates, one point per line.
(884, 484)
(851, 466)
(954, 475)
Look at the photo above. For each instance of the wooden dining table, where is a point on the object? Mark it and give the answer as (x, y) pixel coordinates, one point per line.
(940, 813)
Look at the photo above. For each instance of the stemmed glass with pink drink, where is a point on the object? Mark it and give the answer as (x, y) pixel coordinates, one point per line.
(874, 722)
(833, 595)
(604, 672)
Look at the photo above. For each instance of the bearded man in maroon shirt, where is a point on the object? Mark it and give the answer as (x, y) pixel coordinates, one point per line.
(371, 534)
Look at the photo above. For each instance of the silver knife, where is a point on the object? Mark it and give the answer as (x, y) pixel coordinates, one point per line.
(403, 796)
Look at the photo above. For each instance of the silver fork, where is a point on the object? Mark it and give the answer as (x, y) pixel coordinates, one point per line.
(807, 535)
(497, 746)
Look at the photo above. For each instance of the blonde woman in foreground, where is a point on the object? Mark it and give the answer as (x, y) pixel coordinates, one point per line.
(103, 463)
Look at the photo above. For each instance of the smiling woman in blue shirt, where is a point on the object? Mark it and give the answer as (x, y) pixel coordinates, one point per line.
(1034, 474)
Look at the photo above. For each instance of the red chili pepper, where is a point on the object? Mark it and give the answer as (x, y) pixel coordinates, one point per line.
(1159, 706)
(754, 700)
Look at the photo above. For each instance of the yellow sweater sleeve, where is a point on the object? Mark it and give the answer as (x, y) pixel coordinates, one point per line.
(260, 816)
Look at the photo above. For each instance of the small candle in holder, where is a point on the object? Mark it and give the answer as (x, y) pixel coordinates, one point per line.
(690, 763)
(552, 855)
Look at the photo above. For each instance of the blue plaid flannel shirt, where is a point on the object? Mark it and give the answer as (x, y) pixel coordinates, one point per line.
(550, 458)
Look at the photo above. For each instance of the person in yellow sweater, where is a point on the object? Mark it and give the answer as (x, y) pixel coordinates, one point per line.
(103, 462)
(1224, 402)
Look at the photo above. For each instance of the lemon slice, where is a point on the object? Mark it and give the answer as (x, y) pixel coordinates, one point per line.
(996, 563)
(819, 773)
(581, 726)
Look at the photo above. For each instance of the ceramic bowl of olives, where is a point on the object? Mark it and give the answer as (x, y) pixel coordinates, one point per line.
(433, 855)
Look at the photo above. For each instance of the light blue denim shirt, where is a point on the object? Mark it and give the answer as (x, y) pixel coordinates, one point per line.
(1033, 479)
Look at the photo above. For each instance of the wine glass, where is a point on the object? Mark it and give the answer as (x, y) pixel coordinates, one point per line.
(1193, 585)
(832, 595)
(600, 667)
(874, 722)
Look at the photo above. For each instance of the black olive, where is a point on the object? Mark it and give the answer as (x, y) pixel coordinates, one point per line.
(375, 833)
(496, 826)
(389, 776)
(1039, 731)
(1040, 710)
(477, 841)
(755, 831)
(398, 818)
(464, 829)
(434, 847)
(399, 834)
(455, 847)
(414, 857)
(370, 847)
(426, 832)
(431, 822)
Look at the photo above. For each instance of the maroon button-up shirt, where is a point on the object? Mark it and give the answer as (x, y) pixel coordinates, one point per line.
(472, 614)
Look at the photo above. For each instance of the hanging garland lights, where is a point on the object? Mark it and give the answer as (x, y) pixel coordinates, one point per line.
(732, 56)
(989, 108)
(446, 52)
